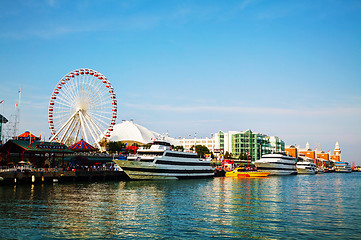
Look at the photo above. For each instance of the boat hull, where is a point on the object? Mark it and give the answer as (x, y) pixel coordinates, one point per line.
(275, 169)
(148, 171)
(305, 171)
(342, 167)
(277, 164)
(343, 170)
(306, 168)
(246, 174)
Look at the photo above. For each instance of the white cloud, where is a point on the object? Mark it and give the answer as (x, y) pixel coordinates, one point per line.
(350, 111)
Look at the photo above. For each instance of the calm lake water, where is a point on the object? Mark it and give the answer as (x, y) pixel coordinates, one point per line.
(324, 206)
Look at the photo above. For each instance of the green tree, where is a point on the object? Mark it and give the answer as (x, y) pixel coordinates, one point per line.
(242, 156)
(115, 147)
(178, 148)
(201, 150)
(227, 155)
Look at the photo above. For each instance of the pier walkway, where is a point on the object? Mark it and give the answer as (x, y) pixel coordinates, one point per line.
(41, 175)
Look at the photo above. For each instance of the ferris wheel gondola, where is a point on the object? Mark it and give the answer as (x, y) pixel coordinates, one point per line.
(83, 105)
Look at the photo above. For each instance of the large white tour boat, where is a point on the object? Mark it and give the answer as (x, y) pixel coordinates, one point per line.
(277, 164)
(306, 167)
(342, 167)
(160, 162)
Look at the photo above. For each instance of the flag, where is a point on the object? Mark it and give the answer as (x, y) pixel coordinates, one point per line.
(19, 90)
(1, 101)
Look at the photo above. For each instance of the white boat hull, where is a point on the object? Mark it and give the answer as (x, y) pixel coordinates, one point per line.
(305, 171)
(306, 167)
(277, 164)
(276, 169)
(149, 171)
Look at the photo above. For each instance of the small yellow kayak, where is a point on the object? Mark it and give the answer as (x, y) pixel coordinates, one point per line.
(240, 172)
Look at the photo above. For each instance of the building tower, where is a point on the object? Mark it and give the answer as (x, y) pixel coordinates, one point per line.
(307, 146)
(337, 151)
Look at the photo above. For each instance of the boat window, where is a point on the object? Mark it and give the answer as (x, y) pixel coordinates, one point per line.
(180, 155)
(150, 153)
(161, 143)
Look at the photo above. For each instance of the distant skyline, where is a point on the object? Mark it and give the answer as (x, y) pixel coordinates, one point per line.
(290, 69)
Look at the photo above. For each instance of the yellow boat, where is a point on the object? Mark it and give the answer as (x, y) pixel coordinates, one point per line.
(240, 172)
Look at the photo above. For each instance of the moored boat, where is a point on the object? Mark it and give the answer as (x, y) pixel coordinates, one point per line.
(306, 167)
(342, 167)
(277, 164)
(160, 162)
(241, 172)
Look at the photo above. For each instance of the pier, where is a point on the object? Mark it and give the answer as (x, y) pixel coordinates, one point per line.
(12, 176)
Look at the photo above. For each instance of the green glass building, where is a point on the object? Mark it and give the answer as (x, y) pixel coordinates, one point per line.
(256, 144)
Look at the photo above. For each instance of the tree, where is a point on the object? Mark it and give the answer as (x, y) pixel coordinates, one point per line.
(115, 146)
(201, 150)
(178, 148)
(242, 156)
(227, 155)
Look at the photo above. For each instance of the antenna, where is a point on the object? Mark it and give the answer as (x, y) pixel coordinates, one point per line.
(17, 115)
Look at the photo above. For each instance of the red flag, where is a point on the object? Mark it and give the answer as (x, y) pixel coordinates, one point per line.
(1, 101)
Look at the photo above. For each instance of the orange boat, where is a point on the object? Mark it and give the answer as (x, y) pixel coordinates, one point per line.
(240, 172)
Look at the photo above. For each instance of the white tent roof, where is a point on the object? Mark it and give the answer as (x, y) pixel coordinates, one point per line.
(130, 131)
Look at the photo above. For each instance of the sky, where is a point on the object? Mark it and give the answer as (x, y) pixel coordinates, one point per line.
(290, 69)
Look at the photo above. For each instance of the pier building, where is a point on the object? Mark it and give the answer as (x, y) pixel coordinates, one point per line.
(320, 157)
(38, 153)
(292, 151)
(238, 143)
(210, 143)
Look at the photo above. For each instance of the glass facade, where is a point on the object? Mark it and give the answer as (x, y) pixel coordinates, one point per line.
(254, 143)
(221, 140)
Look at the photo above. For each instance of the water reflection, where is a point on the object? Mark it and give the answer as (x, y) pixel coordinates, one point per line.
(317, 206)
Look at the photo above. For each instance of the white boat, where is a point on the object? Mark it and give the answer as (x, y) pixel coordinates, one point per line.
(342, 167)
(160, 162)
(306, 167)
(277, 164)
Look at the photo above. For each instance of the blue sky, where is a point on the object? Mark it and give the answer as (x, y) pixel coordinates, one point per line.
(285, 68)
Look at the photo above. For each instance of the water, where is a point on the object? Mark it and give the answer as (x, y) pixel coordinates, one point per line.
(323, 206)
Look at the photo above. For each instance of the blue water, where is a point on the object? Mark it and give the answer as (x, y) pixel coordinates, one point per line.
(325, 206)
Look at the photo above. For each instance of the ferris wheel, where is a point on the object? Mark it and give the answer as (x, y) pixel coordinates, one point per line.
(82, 105)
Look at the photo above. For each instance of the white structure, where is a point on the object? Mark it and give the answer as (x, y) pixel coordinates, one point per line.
(227, 140)
(130, 131)
(276, 144)
(210, 143)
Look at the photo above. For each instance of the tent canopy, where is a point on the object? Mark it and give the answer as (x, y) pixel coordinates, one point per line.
(82, 146)
(27, 135)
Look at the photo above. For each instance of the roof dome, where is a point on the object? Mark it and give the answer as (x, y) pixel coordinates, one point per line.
(130, 131)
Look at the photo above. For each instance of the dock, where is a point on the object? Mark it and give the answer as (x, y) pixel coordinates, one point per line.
(39, 176)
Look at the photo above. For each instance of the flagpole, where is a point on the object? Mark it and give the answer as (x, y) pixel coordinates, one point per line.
(2, 122)
(18, 113)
